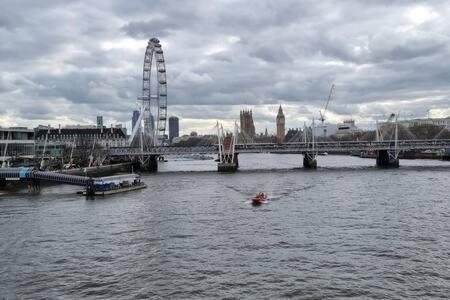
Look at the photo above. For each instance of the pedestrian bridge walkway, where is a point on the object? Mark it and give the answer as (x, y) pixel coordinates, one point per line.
(31, 174)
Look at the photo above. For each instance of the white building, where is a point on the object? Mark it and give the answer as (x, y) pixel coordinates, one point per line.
(347, 127)
(426, 121)
(340, 129)
(16, 142)
(325, 130)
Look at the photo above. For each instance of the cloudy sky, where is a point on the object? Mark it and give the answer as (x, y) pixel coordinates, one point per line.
(64, 62)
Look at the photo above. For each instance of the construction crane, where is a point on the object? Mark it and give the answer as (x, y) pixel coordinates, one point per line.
(322, 114)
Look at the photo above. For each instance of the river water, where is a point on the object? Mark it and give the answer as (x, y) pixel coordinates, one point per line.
(347, 229)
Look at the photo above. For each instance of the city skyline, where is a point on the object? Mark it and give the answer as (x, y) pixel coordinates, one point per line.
(259, 56)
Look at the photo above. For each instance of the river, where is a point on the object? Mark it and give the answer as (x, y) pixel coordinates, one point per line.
(346, 229)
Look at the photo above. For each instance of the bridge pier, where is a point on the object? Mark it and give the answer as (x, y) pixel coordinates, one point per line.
(152, 163)
(309, 161)
(387, 159)
(228, 163)
(149, 164)
(135, 165)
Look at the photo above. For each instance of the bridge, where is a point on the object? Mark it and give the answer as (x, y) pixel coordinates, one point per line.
(335, 146)
(387, 150)
(227, 152)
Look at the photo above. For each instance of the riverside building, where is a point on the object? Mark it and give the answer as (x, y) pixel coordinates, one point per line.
(16, 142)
(82, 135)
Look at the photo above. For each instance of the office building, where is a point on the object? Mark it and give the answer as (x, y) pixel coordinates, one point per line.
(99, 121)
(173, 128)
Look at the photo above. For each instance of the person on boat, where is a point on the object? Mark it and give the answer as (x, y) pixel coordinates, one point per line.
(261, 195)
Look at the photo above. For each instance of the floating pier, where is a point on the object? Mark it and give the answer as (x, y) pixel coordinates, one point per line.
(93, 185)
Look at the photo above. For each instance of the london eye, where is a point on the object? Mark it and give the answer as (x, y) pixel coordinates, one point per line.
(151, 124)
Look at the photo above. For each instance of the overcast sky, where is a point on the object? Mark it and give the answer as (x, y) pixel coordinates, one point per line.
(65, 62)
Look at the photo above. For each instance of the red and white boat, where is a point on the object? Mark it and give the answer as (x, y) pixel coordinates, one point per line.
(259, 199)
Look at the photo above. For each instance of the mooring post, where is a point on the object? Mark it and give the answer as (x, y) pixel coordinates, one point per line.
(34, 186)
(37, 185)
(90, 189)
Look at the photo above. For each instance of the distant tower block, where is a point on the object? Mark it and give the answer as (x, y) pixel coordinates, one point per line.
(173, 128)
(280, 126)
(134, 119)
(99, 121)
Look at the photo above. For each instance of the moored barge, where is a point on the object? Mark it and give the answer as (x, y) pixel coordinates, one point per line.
(115, 184)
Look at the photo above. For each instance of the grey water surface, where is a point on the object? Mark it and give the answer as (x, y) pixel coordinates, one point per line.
(347, 229)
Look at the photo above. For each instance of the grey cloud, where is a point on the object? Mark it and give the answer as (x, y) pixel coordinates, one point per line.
(220, 55)
(271, 54)
(223, 56)
(160, 27)
(406, 45)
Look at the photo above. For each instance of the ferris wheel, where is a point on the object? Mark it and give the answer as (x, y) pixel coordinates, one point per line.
(151, 124)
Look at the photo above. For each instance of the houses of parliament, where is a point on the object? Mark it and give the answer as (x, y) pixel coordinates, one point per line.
(247, 126)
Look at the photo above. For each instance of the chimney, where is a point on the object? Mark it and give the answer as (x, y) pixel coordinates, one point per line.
(59, 128)
(111, 128)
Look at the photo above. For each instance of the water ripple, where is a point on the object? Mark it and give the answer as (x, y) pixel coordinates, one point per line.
(347, 230)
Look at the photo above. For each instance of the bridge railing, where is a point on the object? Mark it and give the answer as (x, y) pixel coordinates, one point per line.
(15, 173)
(58, 177)
(163, 150)
(29, 174)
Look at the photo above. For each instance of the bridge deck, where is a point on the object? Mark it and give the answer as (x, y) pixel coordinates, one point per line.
(340, 146)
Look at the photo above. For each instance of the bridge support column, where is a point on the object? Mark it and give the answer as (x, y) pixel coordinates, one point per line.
(152, 163)
(309, 161)
(228, 163)
(387, 159)
(136, 165)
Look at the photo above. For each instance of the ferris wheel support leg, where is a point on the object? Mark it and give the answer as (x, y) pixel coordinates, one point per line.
(387, 159)
(309, 161)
